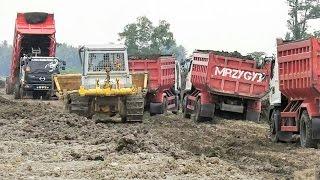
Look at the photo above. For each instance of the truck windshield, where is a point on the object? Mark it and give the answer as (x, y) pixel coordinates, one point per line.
(38, 66)
(99, 61)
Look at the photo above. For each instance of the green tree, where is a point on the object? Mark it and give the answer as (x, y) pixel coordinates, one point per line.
(69, 54)
(258, 56)
(300, 12)
(5, 58)
(143, 38)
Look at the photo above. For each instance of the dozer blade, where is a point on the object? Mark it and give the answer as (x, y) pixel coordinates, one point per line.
(64, 83)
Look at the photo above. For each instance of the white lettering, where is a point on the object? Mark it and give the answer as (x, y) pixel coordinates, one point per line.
(238, 74)
(247, 75)
(227, 72)
(234, 73)
(218, 72)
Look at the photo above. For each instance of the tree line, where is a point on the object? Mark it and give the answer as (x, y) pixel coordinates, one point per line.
(143, 38)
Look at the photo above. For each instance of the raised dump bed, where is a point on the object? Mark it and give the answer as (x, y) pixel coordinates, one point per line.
(34, 33)
(225, 83)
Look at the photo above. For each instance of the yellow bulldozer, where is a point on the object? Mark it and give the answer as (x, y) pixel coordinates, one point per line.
(105, 85)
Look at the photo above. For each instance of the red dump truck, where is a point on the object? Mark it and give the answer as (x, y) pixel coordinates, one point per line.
(33, 57)
(162, 92)
(226, 83)
(295, 109)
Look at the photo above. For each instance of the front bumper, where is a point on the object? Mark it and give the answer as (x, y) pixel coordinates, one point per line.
(37, 87)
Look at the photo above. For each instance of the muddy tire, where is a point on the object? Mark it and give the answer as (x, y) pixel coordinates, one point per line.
(177, 105)
(16, 92)
(184, 108)
(306, 131)
(165, 106)
(275, 126)
(196, 116)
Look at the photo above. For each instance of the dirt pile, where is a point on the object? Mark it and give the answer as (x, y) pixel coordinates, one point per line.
(41, 141)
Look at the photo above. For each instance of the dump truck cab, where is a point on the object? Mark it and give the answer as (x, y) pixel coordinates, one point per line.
(97, 59)
(36, 76)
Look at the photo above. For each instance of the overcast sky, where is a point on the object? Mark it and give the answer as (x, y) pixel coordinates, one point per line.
(243, 25)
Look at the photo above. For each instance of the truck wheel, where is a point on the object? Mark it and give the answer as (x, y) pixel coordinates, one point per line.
(184, 108)
(306, 131)
(35, 95)
(275, 126)
(196, 116)
(212, 118)
(165, 105)
(16, 91)
(177, 105)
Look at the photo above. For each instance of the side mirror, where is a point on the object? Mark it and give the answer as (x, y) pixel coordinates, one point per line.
(63, 68)
(64, 63)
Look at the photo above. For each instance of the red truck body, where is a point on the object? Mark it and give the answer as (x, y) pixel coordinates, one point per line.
(32, 30)
(226, 83)
(299, 72)
(161, 82)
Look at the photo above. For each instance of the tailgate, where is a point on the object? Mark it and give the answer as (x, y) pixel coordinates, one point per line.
(232, 76)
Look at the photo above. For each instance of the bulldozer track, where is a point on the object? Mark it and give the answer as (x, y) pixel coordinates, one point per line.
(77, 104)
(135, 108)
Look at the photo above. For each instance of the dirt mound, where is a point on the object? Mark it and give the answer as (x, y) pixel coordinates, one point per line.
(40, 140)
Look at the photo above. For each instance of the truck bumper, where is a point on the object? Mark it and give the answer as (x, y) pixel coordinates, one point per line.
(37, 87)
(316, 128)
(207, 110)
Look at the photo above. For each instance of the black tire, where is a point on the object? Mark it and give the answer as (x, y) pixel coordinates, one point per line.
(196, 116)
(275, 126)
(184, 108)
(16, 92)
(306, 131)
(35, 95)
(165, 106)
(177, 105)
(212, 119)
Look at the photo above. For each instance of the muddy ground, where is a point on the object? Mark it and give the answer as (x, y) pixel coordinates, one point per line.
(38, 140)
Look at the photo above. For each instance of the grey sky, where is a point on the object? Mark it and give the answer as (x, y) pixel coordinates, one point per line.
(246, 25)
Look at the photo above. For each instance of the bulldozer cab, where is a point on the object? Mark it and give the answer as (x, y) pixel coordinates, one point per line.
(102, 63)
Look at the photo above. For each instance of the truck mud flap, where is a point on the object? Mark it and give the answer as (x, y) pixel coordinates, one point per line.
(252, 116)
(207, 110)
(316, 128)
(156, 108)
